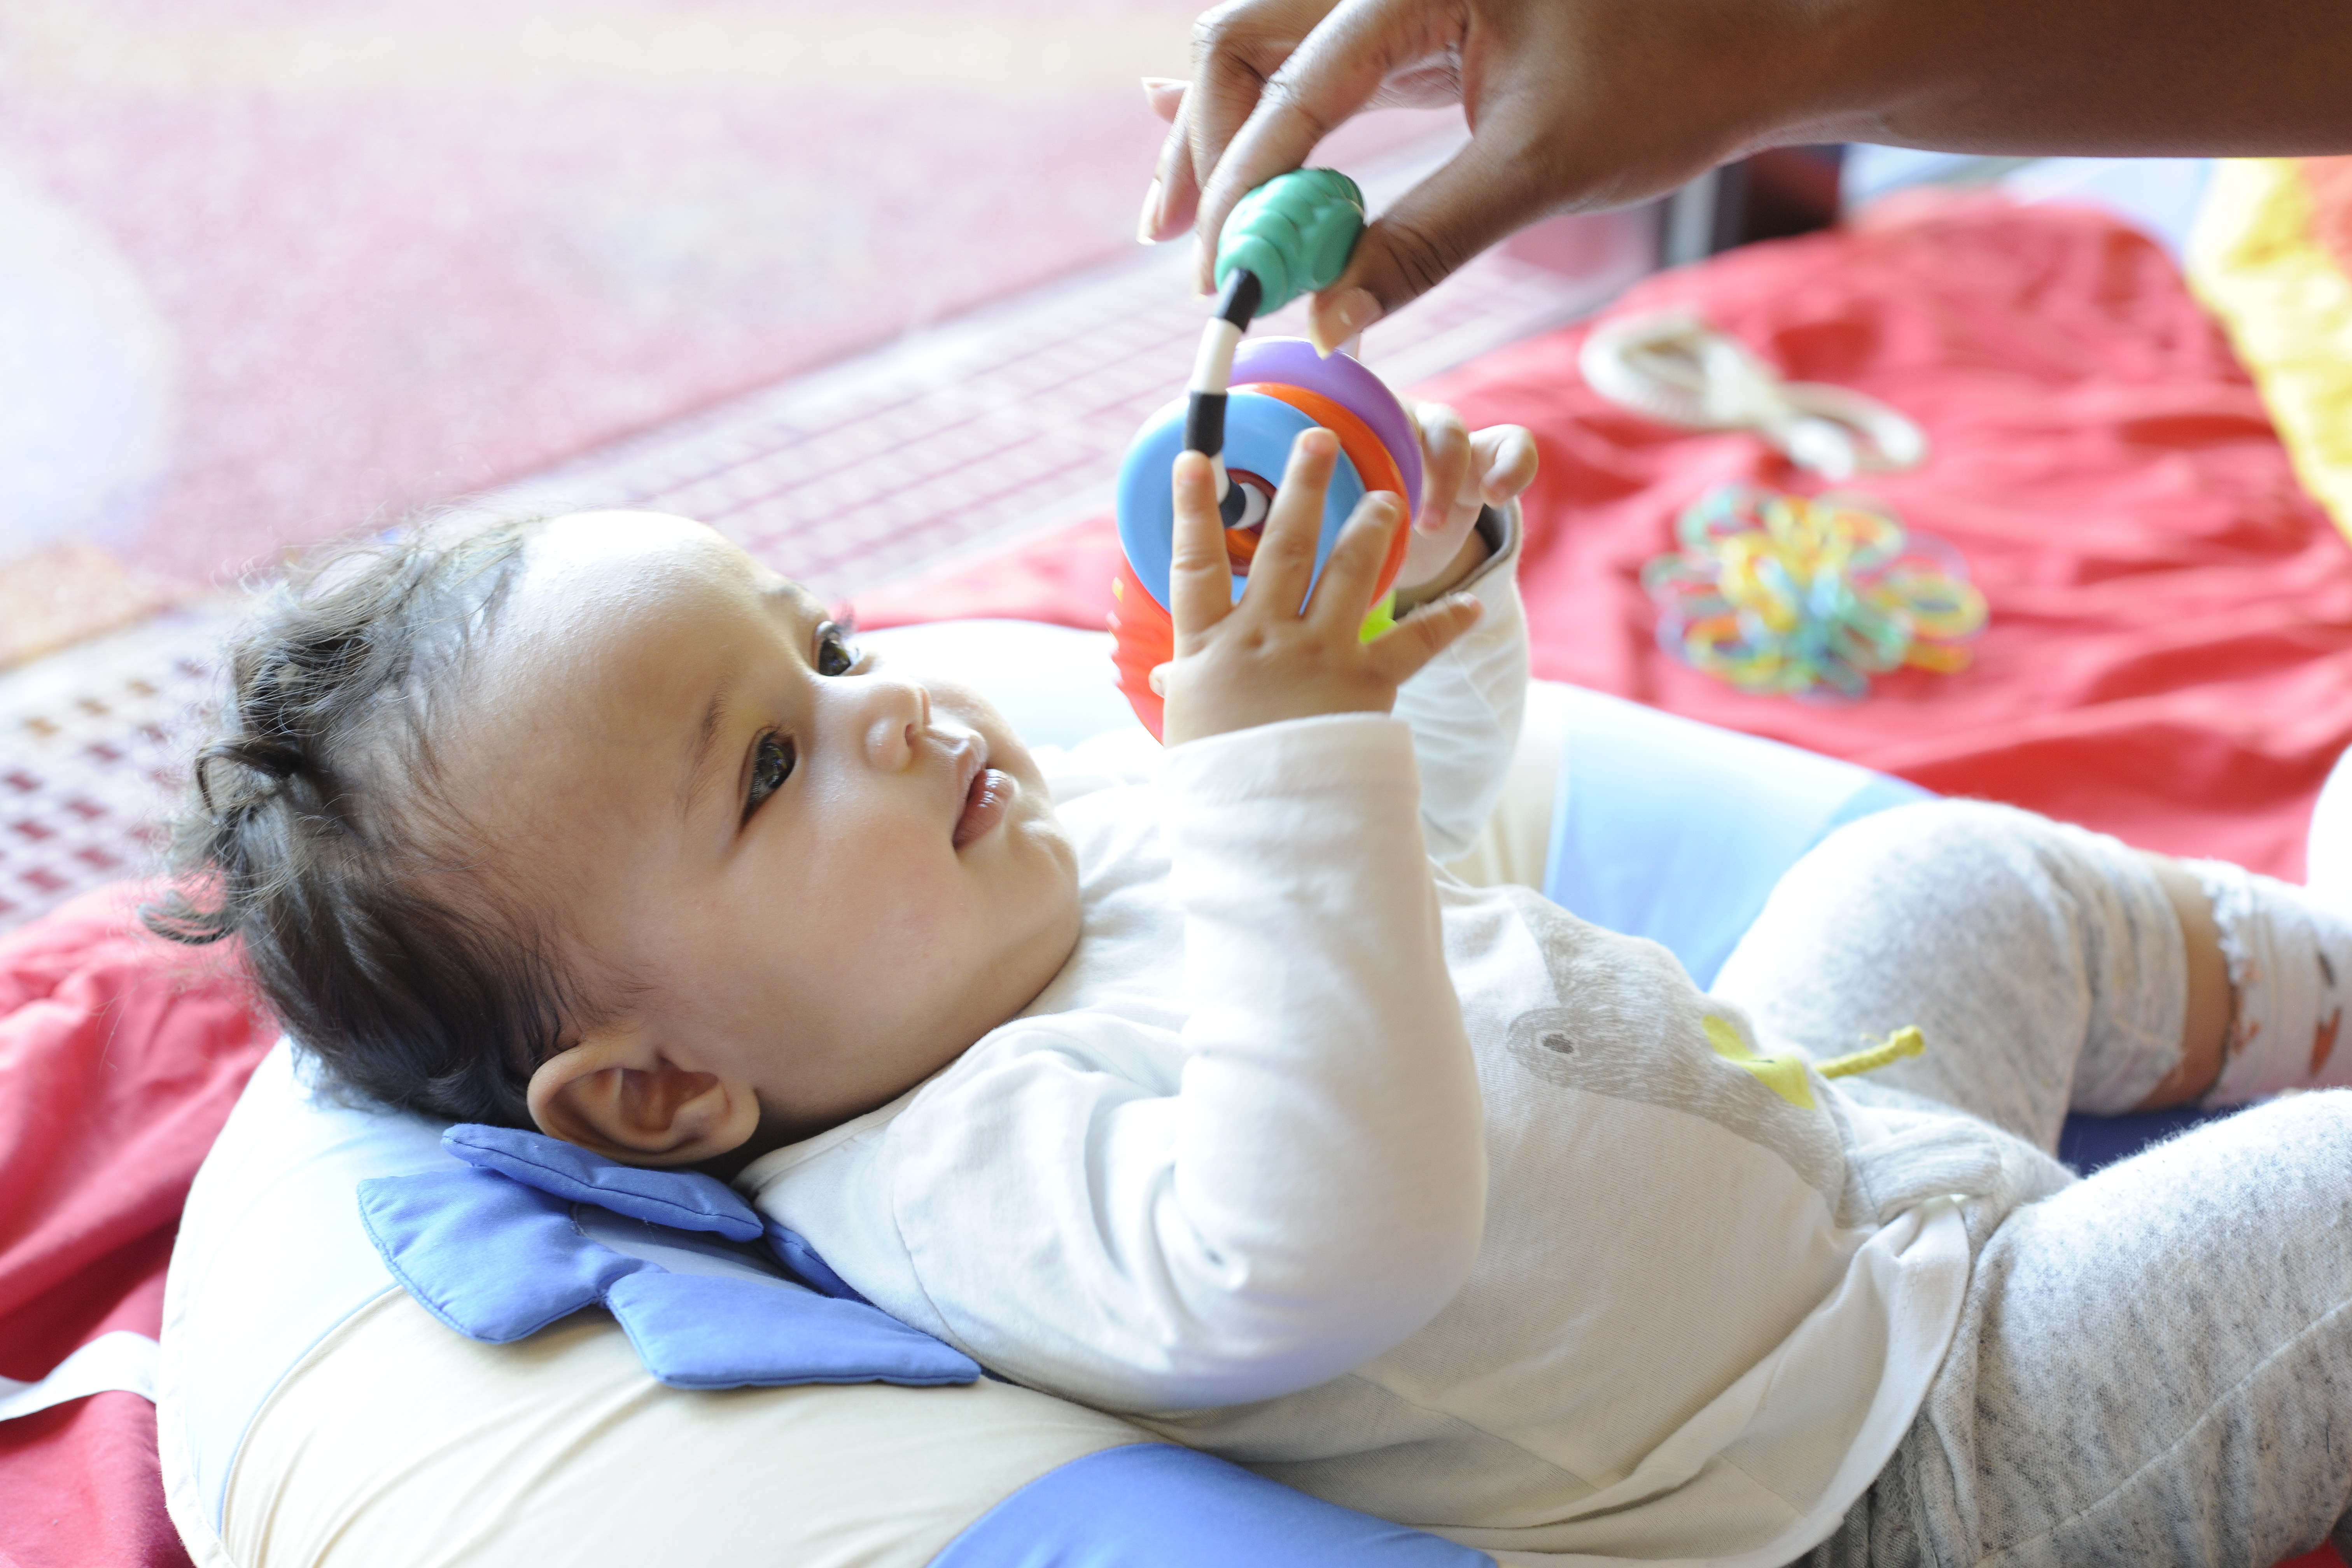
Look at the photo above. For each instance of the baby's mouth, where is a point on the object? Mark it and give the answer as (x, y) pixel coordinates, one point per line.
(984, 802)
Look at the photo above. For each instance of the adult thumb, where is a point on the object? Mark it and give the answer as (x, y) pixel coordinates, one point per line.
(1475, 198)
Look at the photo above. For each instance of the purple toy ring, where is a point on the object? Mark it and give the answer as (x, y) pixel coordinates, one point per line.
(1293, 361)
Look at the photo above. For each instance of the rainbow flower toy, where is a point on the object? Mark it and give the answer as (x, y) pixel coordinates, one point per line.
(1246, 405)
(1810, 597)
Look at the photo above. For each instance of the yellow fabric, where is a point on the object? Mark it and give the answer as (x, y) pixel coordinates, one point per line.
(1783, 1075)
(1906, 1041)
(2257, 262)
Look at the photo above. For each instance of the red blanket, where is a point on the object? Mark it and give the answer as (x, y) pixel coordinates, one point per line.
(2171, 652)
(120, 1057)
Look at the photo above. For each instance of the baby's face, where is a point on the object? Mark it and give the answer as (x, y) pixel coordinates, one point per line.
(792, 865)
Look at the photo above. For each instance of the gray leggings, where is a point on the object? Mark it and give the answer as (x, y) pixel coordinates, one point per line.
(2154, 1365)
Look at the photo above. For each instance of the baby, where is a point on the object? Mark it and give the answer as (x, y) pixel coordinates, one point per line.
(1190, 1086)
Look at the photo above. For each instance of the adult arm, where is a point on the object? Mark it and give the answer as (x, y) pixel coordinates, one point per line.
(1582, 104)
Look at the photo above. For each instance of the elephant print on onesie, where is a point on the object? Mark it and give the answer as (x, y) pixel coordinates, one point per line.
(1629, 1025)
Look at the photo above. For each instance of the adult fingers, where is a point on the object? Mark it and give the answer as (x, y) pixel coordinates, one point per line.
(1445, 455)
(1165, 95)
(1284, 564)
(1344, 592)
(1398, 654)
(1172, 183)
(1271, 78)
(1200, 577)
(1491, 187)
(1235, 47)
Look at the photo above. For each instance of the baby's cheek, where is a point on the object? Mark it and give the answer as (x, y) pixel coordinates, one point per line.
(1054, 841)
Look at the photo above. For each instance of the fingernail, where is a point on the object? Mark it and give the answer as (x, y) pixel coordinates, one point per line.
(1157, 681)
(1346, 316)
(1147, 227)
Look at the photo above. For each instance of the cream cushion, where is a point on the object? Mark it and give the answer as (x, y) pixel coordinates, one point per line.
(397, 1444)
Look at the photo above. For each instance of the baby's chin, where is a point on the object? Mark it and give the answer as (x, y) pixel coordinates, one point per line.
(1055, 910)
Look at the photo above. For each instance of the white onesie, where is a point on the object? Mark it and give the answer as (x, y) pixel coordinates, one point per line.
(1429, 1200)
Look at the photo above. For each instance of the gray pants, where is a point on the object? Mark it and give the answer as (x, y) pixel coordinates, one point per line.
(2154, 1365)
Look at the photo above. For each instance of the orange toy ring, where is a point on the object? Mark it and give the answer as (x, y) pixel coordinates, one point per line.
(1374, 463)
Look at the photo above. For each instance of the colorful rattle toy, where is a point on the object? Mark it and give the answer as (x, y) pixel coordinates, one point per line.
(1809, 598)
(1247, 403)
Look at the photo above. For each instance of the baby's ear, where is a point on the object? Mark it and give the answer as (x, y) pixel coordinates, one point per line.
(617, 1093)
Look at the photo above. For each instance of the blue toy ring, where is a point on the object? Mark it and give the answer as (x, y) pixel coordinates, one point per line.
(1259, 431)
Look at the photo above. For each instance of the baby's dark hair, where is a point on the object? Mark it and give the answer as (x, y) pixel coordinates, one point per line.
(369, 913)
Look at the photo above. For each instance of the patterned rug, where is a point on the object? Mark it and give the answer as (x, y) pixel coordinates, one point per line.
(1008, 421)
(271, 270)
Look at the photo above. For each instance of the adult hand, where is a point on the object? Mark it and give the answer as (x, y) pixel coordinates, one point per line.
(1581, 104)
(1573, 104)
(1283, 652)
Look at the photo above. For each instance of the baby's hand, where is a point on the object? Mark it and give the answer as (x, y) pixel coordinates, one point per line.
(1270, 656)
(1460, 473)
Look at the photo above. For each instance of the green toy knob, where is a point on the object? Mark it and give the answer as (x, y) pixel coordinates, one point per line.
(1294, 234)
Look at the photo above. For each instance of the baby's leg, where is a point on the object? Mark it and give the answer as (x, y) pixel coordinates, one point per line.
(2289, 957)
(2154, 1366)
(2043, 964)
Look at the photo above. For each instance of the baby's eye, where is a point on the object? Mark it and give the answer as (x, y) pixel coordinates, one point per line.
(834, 655)
(771, 765)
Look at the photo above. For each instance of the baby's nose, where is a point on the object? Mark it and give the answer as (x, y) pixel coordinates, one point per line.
(900, 717)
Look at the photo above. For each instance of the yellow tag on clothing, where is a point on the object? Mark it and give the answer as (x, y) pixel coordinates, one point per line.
(1784, 1076)
(1906, 1041)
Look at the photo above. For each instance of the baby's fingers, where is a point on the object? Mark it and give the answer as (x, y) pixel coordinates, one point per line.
(1284, 564)
(1343, 593)
(1503, 459)
(1398, 653)
(1200, 572)
(1445, 458)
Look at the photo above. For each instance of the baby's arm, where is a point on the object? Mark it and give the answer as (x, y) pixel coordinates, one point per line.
(1309, 1188)
(1464, 705)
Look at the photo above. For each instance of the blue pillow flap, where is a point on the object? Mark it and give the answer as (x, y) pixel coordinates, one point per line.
(492, 1258)
(685, 1200)
(704, 1330)
(496, 1251)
